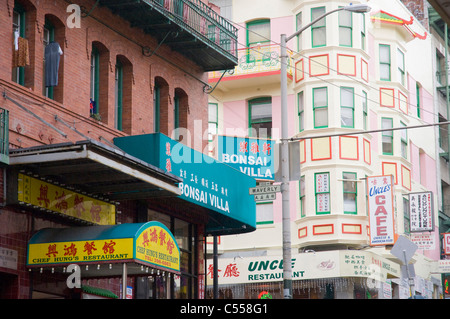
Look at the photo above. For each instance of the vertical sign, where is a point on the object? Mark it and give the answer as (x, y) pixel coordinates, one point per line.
(421, 211)
(381, 210)
(323, 192)
(447, 243)
(254, 157)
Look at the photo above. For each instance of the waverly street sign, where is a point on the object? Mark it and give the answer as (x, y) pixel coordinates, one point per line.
(265, 192)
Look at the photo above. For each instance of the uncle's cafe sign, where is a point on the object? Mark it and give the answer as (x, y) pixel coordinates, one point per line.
(312, 265)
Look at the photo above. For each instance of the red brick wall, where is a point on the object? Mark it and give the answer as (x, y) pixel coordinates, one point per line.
(71, 102)
(73, 92)
(418, 9)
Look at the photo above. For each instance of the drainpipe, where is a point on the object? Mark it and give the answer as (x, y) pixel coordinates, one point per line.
(447, 92)
(448, 127)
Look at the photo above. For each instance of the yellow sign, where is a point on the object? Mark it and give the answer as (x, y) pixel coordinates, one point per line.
(57, 199)
(80, 251)
(157, 246)
(149, 243)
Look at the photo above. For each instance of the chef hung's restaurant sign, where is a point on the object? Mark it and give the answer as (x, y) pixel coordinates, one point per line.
(157, 246)
(148, 243)
(381, 210)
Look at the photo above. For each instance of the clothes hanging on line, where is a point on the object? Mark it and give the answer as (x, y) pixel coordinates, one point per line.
(16, 40)
(52, 56)
(21, 55)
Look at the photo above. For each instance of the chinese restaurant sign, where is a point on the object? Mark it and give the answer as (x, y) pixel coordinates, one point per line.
(421, 212)
(157, 246)
(148, 243)
(330, 264)
(251, 156)
(60, 200)
(381, 210)
(80, 251)
(206, 182)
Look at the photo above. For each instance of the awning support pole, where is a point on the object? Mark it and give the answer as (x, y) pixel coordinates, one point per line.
(124, 281)
(215, 269)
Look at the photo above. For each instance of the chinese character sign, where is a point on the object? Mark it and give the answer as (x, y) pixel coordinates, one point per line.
(57, 199)
(447, 243)
(157, 246)
(381, 210)
(148, 243)
(424, 241)
(251, 156)
(421, 211)
(80, 251)
(205, 181)
(323, 192)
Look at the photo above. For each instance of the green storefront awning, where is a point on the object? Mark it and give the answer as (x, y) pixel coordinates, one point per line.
(148, 244)
(98, 292)
(220, 189)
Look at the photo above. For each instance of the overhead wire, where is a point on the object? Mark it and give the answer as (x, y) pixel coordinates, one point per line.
(259, 52)
(320, 78)
(367, 84)
(330, 82)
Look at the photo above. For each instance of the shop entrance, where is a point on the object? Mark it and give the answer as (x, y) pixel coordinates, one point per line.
(8, 286)
(153, 287)
(158, 287)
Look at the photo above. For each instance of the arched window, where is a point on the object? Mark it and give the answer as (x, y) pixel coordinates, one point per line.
(180, 116)
(53, 74)
(161, 106)
(22, 68)
(123, 94)
(118, 96)
(99, 74)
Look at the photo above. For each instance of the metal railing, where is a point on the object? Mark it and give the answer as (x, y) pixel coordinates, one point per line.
(257, 59)
(202, 21)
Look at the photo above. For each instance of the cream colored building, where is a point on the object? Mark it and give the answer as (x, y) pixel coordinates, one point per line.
(352, 77)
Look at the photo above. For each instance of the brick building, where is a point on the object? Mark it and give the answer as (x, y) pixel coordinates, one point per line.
(120, 69)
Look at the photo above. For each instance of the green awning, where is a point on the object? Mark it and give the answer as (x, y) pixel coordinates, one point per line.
(208, 184)
(98, 292)
(149, 244)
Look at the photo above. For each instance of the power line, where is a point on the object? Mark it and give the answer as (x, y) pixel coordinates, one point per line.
(368, 131)
(330, 69)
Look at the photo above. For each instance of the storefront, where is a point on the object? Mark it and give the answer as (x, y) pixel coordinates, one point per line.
(220, 190)
(138, 249)
(340, 274)
(68, 199)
